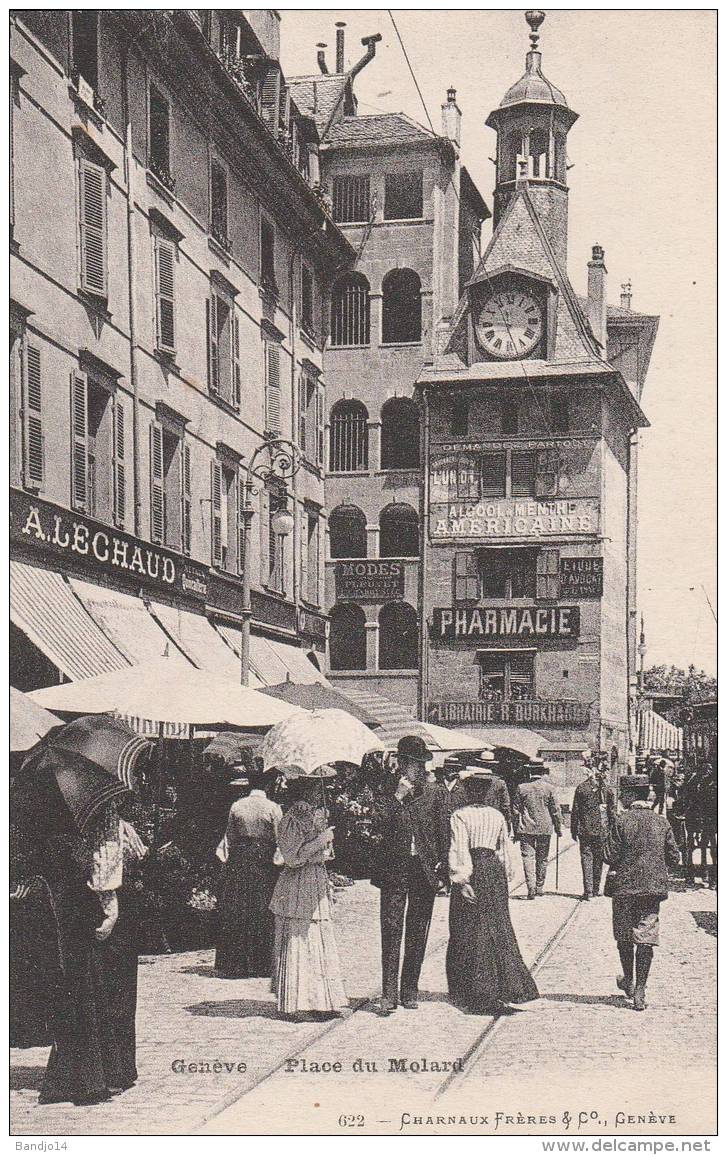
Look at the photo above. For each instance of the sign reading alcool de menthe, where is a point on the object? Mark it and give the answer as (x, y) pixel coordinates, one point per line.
(512, 517)
(507, 622)
(533, 711)
(373, 581)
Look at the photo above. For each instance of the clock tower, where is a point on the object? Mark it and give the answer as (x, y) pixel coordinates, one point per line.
(532, 124)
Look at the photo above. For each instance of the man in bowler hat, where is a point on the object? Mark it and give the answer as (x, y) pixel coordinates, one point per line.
(411, 863)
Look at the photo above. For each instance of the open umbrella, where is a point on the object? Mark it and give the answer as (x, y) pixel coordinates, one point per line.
(316, 696)
(229, 745)
(305, 744)
(92, 759)
(29, 722)
(438, 738)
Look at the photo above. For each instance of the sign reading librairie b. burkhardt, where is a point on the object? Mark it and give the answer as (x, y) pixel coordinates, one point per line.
(369, 581)
(506, 622)
(525, 712)
(581, 577)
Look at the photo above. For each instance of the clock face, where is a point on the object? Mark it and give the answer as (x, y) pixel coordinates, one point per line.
(510, 323)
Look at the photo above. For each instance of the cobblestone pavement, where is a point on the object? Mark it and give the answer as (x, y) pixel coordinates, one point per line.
(578, 1047)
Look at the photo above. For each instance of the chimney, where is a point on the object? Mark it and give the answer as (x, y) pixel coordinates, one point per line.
(321, 57)
(451, 117)
(626, 296)
(340, 25)
(597, 294)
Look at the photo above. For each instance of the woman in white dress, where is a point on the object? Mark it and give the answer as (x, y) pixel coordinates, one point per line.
(307, 970)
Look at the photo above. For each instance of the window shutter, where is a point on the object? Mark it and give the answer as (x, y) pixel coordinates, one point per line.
(522, 474)
(466, 578)
(93, 227)
(270, 99)
(119, 470)
(241, 503)
(79, 440)
(320, 425)
(272, 390)
(216, 513)
(492, 472)
(546, 473)
(302, 411)
(548, 574)
(165, 260)
(213, 356)
(304, 549)
(236, 382)
(186, 499)
(34, 442)
(156, 459)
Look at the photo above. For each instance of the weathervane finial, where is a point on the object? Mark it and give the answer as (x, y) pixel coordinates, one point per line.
(534, 18)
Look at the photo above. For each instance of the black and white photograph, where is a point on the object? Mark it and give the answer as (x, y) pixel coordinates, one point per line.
(363, 574)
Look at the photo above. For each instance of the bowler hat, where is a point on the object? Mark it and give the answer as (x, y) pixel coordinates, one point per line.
(630, 781)
(412, 746)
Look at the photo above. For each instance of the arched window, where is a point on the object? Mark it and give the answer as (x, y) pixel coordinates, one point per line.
(401, 307)
(347, 641)
(400, 434)
(349, 446)
(347, 532)
(350, 311)
(398, 637)
(539, 153)
(398, 531)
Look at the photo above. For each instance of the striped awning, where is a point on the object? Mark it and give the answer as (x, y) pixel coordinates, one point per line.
(656, 733)
(44, 606)
(386, 712)
(271, 661)
(126, 621)
(199, 640)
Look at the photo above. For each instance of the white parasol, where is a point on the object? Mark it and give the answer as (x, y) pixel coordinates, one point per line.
(305, 744)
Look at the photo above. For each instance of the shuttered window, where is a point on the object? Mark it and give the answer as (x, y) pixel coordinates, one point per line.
(241, 505)
(216, 514)
(159, 136)
(466, 578)
(303, 412)
(522, 474)
(307, 314)
(218, 202)
(236, 378)
(492, 473)
(546, 473)
(119, 462)
(548, 574)
(166, 258)
(223, 350)
(186, 499)
(273, 417)
(33, 440)
(79, 441)
(270, 98)
(320, 425)
(267, 255)
(156, 461)
(213, 356)
(92, 192)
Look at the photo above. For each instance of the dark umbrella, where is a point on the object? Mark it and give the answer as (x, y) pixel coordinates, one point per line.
(315, 696)
(229, 746)
(92, 760)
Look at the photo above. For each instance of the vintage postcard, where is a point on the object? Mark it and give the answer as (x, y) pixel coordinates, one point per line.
(363, 744)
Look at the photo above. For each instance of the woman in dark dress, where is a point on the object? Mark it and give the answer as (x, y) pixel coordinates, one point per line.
(485, 969)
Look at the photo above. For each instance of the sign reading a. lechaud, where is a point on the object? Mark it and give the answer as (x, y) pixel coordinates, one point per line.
(581, 577)
(372, 581)
(506, 622)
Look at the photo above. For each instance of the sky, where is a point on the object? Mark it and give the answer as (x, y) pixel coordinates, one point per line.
(642, 185)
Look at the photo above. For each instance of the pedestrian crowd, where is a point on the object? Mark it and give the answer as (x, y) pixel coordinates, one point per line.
(448, 833)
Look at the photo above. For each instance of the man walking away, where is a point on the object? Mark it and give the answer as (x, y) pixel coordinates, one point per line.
(594, 808)
(412, 860)
(536, 815)
(639, 846)
(657, 781)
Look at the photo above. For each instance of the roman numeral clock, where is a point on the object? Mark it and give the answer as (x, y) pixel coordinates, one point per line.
(509, 323)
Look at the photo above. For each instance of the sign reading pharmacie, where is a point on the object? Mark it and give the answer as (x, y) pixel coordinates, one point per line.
(528, 712)
(97, 547)
(369, 581)
(506, 622)
(581, 577)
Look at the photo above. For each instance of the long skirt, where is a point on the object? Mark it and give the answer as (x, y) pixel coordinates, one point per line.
(246, 927)
(484, 964)
(33, 971)
(94, 1041)
(307, 975)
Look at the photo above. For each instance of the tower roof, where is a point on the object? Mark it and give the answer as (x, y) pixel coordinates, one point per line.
(533, 87)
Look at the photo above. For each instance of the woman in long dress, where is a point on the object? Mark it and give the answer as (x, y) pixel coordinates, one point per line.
(485, 969)
(246, 927)
(307, 973)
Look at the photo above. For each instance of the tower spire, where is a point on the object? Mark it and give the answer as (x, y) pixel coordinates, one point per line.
(535, 18)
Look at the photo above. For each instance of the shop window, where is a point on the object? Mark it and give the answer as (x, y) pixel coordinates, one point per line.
(349, 438)
(401, 307)
(347, 641)
(400, 434)
(160, 136)
(403, 196)
(506, 676)
(398, 637)
(351, 199)
(84, 47)
(267, 255)
(223, 349)
(509, 417)
(459, 417)
(347, 532)
(398, 531)
(559, 414)
(351, 311)
(508, 573)
(218, 203)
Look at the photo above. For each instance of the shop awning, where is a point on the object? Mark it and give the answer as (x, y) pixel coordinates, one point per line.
(198, 639)
(126, 621)
(271, 661)
(522, 741)
(386, 712)
(44, 607)
(438, 738)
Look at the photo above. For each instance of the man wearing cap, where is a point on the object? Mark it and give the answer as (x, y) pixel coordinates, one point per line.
(640, 845)
(412, 860)
(594, 808)
(537, 814)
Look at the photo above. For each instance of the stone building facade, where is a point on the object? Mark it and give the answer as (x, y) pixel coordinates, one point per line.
(171, 260)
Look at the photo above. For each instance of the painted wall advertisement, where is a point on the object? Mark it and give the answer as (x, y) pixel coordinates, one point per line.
(525, 712)
(581, 577)
(373, 581)
(506, 622)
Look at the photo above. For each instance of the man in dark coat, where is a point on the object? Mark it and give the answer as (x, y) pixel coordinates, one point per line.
(412, 861)
(493, 788)
(594, 808)
(537, 814)
(639, 846)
